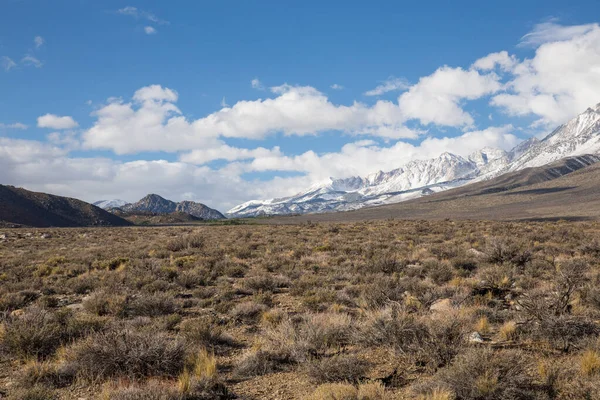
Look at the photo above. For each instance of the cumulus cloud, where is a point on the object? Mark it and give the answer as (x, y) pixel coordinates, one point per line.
(502, 59)
(38, 41)
(561, 80)
(53, 121)
(7, 63)
(389, 85)
(149, 30)
(153, 122)
(436, 98)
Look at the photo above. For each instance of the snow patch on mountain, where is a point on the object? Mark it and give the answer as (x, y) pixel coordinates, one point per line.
(106, 204)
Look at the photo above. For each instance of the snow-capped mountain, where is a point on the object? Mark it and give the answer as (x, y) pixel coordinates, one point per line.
(106, 204)
(579, 136)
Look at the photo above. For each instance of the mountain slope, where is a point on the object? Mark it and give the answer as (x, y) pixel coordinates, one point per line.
(579, 136)
(156, 204)
(20, 206)
(566, 189)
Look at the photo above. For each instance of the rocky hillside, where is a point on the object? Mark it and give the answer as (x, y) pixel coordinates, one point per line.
(156, 204)
(23, 207)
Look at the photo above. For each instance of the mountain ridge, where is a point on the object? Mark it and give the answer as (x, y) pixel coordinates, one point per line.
(157, 204)
(418, 178)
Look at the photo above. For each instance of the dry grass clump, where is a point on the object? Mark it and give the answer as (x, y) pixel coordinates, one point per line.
(127, 353)
(38, 332)
(485, 374)
(310, 335)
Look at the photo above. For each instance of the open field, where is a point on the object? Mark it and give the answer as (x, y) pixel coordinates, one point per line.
(384, 309)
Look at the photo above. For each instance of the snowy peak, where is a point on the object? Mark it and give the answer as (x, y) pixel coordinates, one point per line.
(107, 204)
(581, 135)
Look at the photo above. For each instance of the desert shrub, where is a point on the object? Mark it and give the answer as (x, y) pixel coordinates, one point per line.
(148, 305)
(563, 331)
(248, 311)
(385, 262)
(127, 353)
(46, 374)
(259, 362)
(191, 279)
(151, 305)
(502, 250)
(104, 303)
(39, 332)
(311, 335)
(486, 374)
(33, 393)
(433, 342)
(441, 273)
(339, 368)
(195, 241)
(15, 301)
(203, 331)
(263, 283)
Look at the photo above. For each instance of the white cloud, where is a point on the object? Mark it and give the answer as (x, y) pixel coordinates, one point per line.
(133, 11)
(38, 41)
(225, 152)
(335, 86)
(56, 122)
(137, 13)
(149, 30)
(7, 63)
(502, 59)
(16, 125)
(389, 85)
(257, 84)
(560, 81)
(436, 98)
(152, 121)
(553, 32)
(30, 60)
(224, 103)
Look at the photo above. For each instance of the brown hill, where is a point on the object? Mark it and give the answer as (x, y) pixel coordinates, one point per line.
(566, 189)
(23, 207)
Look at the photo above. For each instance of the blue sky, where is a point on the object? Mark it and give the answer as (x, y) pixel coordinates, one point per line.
(222, 102)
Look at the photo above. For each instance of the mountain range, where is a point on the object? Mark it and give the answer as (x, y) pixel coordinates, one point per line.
(154, 203)
(419, 178)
